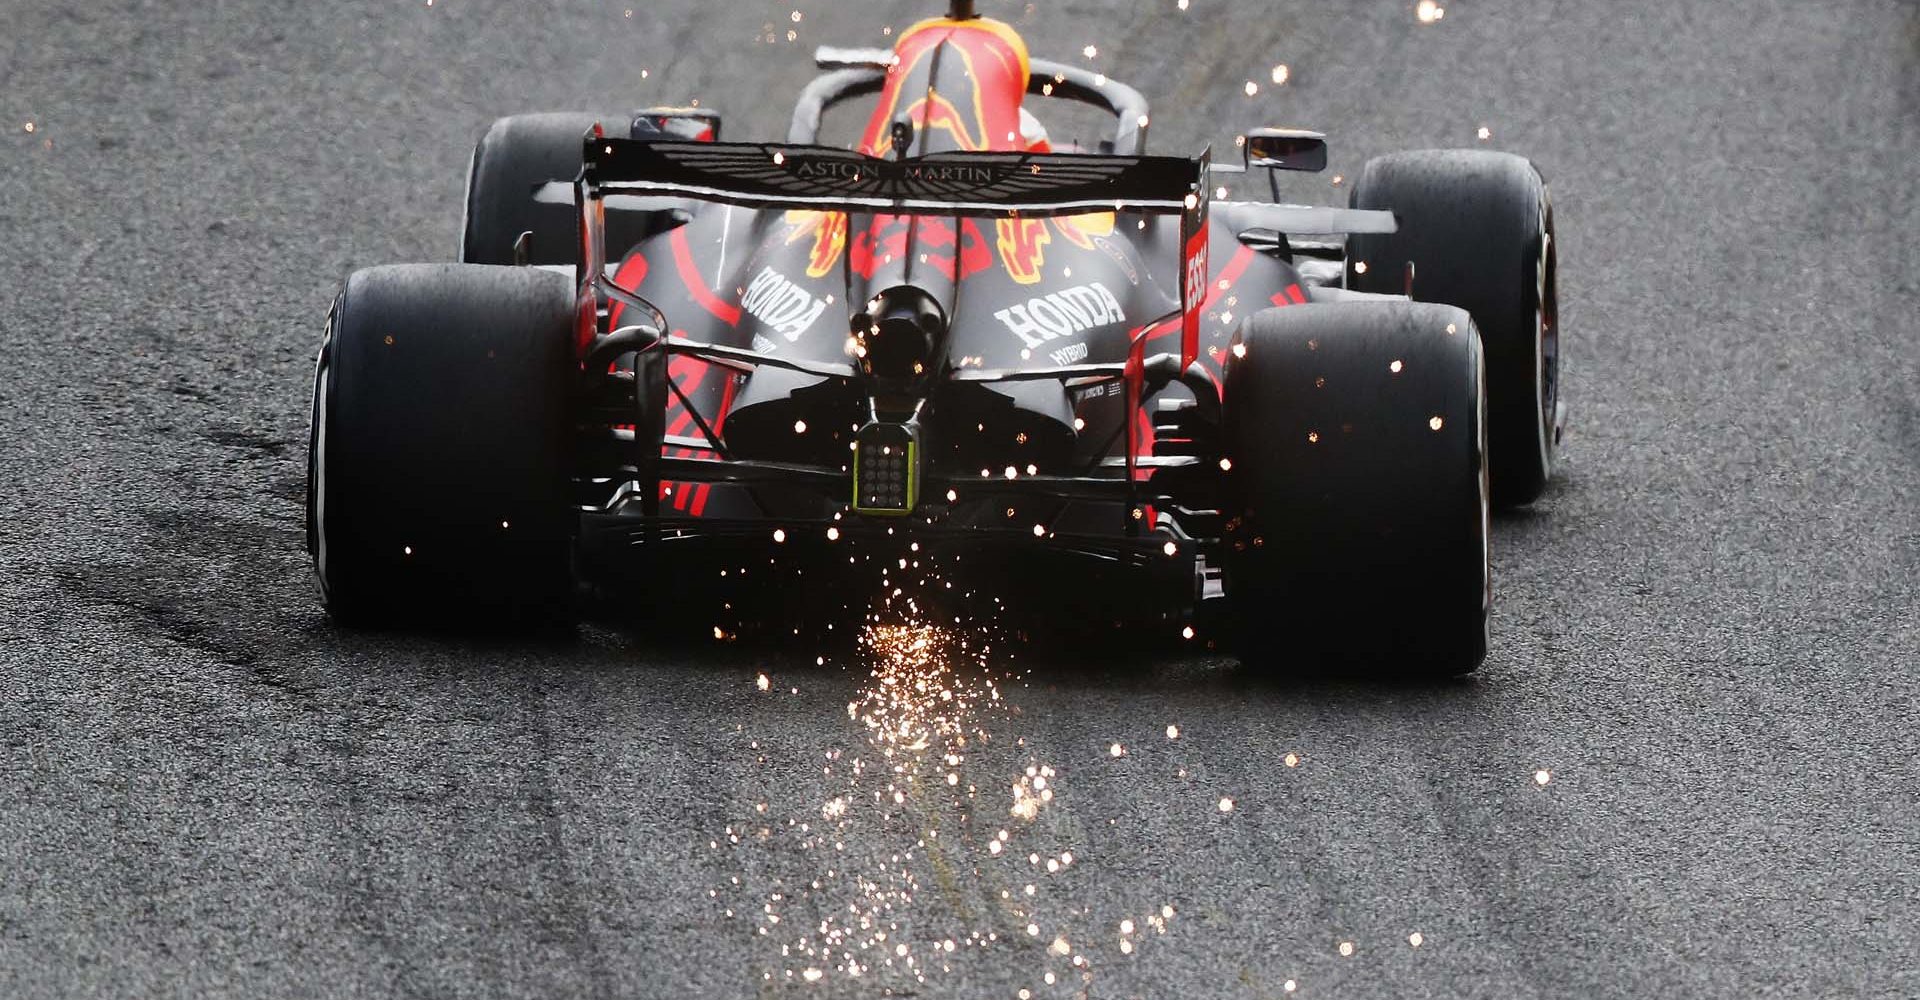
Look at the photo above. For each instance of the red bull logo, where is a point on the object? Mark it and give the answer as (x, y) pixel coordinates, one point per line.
(1023, 247)
(1080, 230)
(829, 232)
(960, 253)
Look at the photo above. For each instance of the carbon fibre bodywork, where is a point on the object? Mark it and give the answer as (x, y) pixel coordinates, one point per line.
(1079, 310)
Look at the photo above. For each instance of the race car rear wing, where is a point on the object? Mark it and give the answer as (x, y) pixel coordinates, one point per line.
(775, 175)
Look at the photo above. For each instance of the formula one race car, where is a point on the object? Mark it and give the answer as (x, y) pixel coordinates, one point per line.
(1288, 421)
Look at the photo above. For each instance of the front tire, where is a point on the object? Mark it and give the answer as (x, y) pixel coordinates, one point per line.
(438, 467)
(1478, 227)
(1357, 490)
(514, 158)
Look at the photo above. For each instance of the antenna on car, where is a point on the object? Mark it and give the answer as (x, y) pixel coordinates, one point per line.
(961, 10)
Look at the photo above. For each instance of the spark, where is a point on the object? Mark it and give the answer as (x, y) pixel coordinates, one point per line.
(1292, 760)
(1039, 531)
(1415, 939)
(1117, 750)
(833, 534)
(1226, 804)
(1484, 134)
(1173, 732)
(1436, 423)
(30, 127)
(1395, 366)
(1428, 11)
(1186, 632)
(1252, 88)
(779, 534)
(1090, 52)
(1170, 548)
(1359, 267)
(1289, 986)
(762, 682)
(1281, 73)
(799, 427)
(1542, 776)
(1346, 949)
(1226, 465)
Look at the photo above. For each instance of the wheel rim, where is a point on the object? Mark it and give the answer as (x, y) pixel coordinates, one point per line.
(1546, 315)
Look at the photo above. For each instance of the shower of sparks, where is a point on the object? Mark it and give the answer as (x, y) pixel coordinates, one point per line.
(908, 818)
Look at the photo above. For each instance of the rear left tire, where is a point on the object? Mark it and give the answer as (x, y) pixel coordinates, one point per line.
(438, 468)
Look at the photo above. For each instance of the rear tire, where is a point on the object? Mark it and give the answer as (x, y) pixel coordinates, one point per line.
(1478, 227)
(1357, 536)
(438, 467)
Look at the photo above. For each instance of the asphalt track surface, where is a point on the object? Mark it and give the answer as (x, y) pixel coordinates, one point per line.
(1706, 633)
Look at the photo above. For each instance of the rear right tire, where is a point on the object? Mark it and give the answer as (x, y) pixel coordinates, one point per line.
(1358, 492)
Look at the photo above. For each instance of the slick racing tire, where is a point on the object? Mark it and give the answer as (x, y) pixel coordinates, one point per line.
(1478, 227)
(1357, 490)
(438, 466)
(515, 157)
